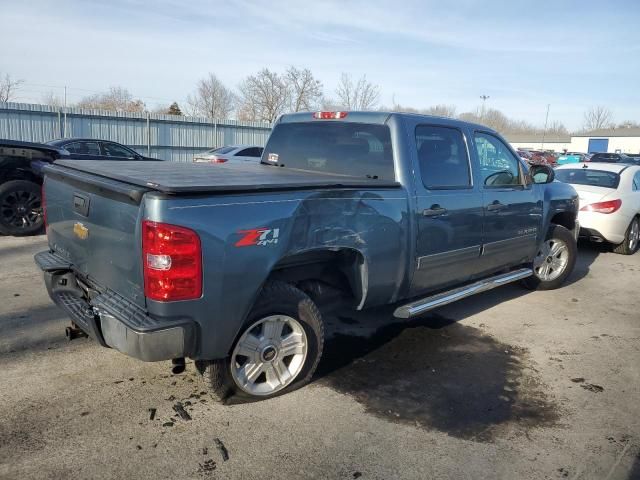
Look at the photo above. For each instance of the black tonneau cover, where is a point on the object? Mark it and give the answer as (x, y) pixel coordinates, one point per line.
(175, 177)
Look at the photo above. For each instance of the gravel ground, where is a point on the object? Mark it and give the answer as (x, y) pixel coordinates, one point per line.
(508, 384)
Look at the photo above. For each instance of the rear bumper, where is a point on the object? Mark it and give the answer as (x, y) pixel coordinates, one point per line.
(606, 227)
(112, 320)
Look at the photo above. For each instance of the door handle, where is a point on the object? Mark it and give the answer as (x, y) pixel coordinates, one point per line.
(495, 206)
(435, 211)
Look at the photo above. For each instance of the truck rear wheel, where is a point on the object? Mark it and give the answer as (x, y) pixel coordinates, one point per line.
(20, 208)
(276, 352)
(555, 260)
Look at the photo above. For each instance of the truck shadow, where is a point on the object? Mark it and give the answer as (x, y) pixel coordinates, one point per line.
(436, 373)
(433, 372)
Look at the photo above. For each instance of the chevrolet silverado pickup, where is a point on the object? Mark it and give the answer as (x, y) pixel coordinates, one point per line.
(222, 265)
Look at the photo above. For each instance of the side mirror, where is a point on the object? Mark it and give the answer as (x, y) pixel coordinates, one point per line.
(541, 174)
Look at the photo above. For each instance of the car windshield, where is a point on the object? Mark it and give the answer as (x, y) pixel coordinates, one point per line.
(345, 148)
(583, 176)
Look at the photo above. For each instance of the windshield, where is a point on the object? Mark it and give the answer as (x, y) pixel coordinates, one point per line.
(583, 176)
(357, 149)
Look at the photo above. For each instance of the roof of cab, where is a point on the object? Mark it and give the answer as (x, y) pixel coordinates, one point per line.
(379, 118)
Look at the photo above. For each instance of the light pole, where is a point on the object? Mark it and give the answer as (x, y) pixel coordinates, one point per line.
(544, 132)
(484, 99)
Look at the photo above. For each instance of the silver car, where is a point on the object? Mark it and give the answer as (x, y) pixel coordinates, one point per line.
(230, 153)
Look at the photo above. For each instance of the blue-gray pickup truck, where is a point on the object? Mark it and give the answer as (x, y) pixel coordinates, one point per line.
(222, 263)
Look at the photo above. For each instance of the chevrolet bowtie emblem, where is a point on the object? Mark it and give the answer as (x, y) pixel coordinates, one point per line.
(80, 231)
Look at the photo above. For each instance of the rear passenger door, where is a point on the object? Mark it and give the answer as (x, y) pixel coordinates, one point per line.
(448, 210)
(512, 207)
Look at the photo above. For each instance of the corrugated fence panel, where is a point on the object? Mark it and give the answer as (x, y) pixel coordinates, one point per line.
(165, 136)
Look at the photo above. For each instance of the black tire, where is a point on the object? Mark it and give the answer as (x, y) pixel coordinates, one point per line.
(626, 247)
(276, 298)
(20, 208)
(561, 233)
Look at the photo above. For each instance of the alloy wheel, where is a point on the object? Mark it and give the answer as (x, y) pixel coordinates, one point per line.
(552, 259)
(20, 209)
(269, 355)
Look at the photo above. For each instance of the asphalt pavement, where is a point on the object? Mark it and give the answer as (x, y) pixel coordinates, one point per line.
(509, 384)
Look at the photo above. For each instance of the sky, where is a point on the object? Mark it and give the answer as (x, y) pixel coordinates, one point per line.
(524, 55)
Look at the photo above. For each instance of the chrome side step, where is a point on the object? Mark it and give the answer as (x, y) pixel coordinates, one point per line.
(429, 303)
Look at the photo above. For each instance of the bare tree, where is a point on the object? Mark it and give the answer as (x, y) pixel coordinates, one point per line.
(598, 117)
(117, 99)
(359, 95)
(212, 99)
(441, 110)
(629, 124)
(51, 99)
(558, 128)
(8, 88)
(305, 92)
(264, 96)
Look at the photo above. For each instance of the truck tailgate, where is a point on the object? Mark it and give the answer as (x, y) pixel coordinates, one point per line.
(94, 224)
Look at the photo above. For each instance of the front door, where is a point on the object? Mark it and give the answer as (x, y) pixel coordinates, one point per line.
(449, 210)
(512, 208)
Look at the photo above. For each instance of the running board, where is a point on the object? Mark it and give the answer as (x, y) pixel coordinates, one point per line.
(429, 303)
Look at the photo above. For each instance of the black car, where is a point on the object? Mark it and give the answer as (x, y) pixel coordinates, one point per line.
(21, 166)
(89, 148)
(615, 158)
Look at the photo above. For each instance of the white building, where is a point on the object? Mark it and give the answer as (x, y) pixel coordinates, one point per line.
(540, 142)
(616, 140)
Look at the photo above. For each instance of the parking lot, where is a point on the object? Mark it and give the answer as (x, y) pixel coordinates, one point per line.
(507, 384)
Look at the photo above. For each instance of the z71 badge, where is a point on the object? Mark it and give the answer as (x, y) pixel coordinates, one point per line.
(258, 236)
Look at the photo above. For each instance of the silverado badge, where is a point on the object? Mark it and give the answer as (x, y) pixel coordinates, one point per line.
(80, 231)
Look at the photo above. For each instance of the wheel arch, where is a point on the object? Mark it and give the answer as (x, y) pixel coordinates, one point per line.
(344, 268)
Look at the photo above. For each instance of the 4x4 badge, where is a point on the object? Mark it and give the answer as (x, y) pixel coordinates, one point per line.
(258, 236)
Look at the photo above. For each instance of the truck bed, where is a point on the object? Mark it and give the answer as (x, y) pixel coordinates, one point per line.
(176, 178)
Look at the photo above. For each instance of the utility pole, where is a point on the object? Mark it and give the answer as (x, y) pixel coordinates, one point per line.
(64, 133)
(484, 99)
(544, 132)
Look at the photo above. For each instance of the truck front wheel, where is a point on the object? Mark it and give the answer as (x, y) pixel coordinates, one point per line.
(555, 260)
(277, 350)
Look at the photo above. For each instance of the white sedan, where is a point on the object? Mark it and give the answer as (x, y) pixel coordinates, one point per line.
(609, 202)
(230, 153)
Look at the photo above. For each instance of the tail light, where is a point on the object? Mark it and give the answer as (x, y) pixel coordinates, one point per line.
(329, 115)
(172, 260)
(609, 206)
(218, 160)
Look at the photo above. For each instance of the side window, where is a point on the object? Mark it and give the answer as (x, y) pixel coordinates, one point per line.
(84, 148)
(636, 181)
(114, 150)
(442, 157)
(250, 152)
(71, 147)
(499, 167)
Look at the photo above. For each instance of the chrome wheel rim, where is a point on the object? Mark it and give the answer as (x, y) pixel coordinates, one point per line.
(634, 235)
(551, 260)
(269, 355)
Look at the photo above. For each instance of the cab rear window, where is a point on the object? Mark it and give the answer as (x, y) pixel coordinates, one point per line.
(583, 176)
(343, 148)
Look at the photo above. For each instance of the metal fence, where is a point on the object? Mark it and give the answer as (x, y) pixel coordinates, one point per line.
(168, 137)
